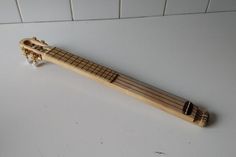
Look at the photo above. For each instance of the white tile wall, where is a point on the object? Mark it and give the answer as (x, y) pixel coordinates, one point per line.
(12, 11)
(45, 10)
(9, 12)
(185, 6)
(95, 9)
(222, 5)
(136, 8)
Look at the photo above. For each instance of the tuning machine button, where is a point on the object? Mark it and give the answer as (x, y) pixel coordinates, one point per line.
(34, 38)
(35, 64)
(29, 61)
(42, 41)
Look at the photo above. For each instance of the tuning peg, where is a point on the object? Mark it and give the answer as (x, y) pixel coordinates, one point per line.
(29, 61)
(35, 38)
(43, 41)
(35, 64)
(28, 58)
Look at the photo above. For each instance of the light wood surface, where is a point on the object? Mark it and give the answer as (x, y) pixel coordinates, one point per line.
(37, 51)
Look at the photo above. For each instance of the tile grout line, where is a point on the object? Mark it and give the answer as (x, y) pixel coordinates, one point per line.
(71, 10)
(19, 10)
(208, 4)
(119, 9)
(164, 10)
(106, 19)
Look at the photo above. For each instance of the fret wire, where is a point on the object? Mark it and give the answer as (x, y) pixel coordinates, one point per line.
(89, 65)
(62, 56)
(78, 62)
(95, 66)
(110, 74)
(74, 60)
(92, 68)
(114, 77)
(95, 69)
(70, 61)
(100, 72)
(66, 60)
(63, 59)
(74, 63)
(98, 69)
(68, 57)
(79, 59)
(81, 63)
(84, 64)
(60, 52)
(57, 52)
(105, 73)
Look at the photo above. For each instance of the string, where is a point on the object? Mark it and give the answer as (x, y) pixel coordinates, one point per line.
(154, 92)
(145, 94)
(128, 83)
(84, 64)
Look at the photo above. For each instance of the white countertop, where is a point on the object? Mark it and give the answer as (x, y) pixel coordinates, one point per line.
(52, 112)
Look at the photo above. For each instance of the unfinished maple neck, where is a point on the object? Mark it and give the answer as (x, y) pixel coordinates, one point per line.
(37, 51)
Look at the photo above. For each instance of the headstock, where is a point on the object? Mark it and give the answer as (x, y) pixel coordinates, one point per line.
(34, 49)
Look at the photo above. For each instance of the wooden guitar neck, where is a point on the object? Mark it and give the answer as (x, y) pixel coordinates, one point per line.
(37, 51)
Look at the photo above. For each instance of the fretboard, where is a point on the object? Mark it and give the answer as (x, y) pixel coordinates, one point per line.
(83, 64)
